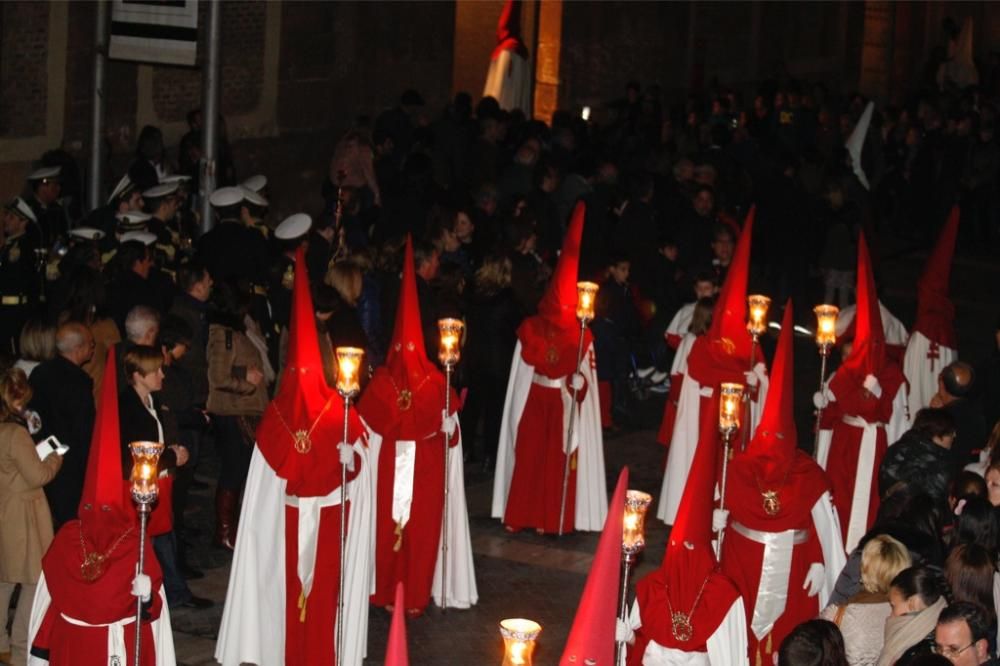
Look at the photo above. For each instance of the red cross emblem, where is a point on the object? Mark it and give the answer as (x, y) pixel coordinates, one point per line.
(933, 353)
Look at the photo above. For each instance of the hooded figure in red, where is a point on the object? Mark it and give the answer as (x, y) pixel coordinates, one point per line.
(933, 343)
(531, 453)
(404, 407)
(687, 605)
(869, 393)
(782, 545)
(84, 609)
(722, 354)
(509, 77)
(282, 601)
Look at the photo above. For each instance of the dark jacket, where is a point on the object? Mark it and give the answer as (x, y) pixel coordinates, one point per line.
(136, 424)
(970, 430)
(917, 461)
(195, 314)
(129, 290)
(64, 398)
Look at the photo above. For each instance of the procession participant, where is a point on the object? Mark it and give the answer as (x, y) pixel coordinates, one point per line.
(404, 405)
(933, 343)
(687, 612)
(782, 546)
(531, 455)
(869, 391)
(85, 603)
(46, 186)
(698, 324)
(284, 589)
(722, 354)
(508, 80)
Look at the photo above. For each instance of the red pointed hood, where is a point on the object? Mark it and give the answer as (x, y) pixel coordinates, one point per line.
(509, 30)
(592, 636)
(776, 438)
(406, 395)
(726, 344)
(868, 352)
(395, 651)
(304, 402)
(104, 493)
(559, 302)
(935, 311)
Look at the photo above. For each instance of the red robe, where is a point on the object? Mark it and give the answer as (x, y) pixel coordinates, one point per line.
(852, 400)
(743, 558)
(105, 600)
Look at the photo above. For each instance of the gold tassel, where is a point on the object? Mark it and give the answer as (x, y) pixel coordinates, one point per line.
(302, 606)
(396, 547)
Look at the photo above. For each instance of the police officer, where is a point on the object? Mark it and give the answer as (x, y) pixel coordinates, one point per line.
(46, 187)
(125, 198)
(288, 236)
(20, 279)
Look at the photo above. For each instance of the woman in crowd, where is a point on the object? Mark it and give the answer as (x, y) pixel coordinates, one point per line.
(862, 618)
(813, 643)
(38, 343)
(917, 596)
(237, 396)
(25, 518)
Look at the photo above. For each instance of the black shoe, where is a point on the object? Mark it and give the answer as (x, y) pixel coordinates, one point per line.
(189, 572)
(195, 602)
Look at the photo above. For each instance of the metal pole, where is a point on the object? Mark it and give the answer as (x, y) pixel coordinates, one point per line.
(95, 186)
(622, 608)
(726, 437)
(143, 516)
(746, 398)
(824, 352)
(444, 526)
(209, 114)
(343, 537)
(572, 425)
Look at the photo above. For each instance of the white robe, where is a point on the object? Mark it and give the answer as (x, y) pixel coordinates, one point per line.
(253, 620)
(684, 441)
(679, 325)
(922, 371)
(508, 80)
(462, 591)
(591, 484)
(893, 329)
(163, 637)
(727, 646)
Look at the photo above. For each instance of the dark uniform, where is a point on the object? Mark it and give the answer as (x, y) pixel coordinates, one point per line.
(51, 220)
(20, 284)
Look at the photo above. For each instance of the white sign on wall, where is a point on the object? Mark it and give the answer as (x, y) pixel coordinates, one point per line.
(158, 31)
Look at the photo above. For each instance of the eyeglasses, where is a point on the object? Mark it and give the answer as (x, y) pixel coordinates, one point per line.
(949, 652)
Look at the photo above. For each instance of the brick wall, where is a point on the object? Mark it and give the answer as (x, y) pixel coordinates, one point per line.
(24, 33)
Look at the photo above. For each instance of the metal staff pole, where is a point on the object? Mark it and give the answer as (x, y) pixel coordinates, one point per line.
(449, 351)
(633, 542)
(826, 336)
(145, 459)
(143, 517)
(730, 395)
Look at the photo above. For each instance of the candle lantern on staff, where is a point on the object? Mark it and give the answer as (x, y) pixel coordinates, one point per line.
(348, 385)
(757, 307)
(730, 406)
(826, 337)
(449, 353)
(586, 296)
(518, 641)
(633, 543)
(145, 460)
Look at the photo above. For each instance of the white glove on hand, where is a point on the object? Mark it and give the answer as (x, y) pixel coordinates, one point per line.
(576, 381)
(751, 379)
(448, 423)
(872, 386)
(814, 579)
(346, 456)
(820, 401)
(142, 587)
(623, 632)
(720, 518)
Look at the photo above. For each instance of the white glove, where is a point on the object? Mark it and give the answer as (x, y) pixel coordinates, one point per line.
(820, 401)
(872, 386)
(142, 587)
(346, 456)
(448, 423)
(720, 518)
(814, 579)
(623, 632)
(576, 381)
(755, 376)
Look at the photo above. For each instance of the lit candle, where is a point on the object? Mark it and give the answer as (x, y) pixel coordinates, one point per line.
(757, 316)
(586, 294)
(348, 367)
(449, 333)
(730, 398)
(634, 523)
(518, 641)
(826, 326)
(145, 458)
